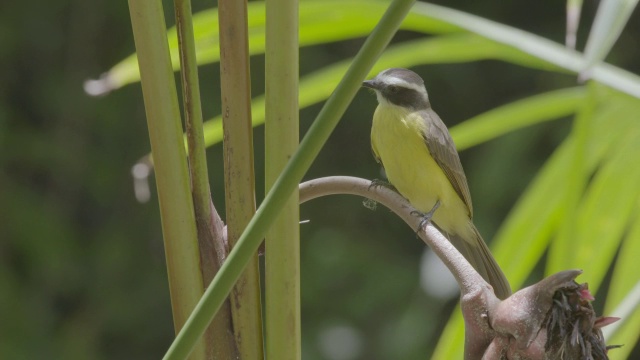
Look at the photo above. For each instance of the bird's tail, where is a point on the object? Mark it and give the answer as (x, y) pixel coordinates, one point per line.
(479, 256)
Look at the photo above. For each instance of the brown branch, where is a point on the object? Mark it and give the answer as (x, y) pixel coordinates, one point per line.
(468, 278)
(552, 319)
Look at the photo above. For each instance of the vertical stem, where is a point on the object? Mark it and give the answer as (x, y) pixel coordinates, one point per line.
(282, 243)
(165, 133)
(287, 182)
(238, 168)
(220, 344)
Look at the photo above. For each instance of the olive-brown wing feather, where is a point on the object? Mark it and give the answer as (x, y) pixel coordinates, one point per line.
(444, 152)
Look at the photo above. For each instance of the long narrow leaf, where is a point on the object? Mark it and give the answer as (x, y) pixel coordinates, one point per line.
(346, 19)
(531, 222)
(535, 45)
(317, 86)
(612, 127)
(610, 19)
(530, 226)
(624, 283)
(491, 124)
(321, 21)
(605, 212)
(575, 181)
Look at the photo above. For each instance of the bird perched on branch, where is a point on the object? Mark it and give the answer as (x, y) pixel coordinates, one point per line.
(420, 159)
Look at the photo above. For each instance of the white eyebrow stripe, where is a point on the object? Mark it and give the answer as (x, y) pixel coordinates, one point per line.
(392, 80)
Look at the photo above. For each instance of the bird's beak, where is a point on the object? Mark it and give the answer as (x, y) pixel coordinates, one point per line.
(371, 84)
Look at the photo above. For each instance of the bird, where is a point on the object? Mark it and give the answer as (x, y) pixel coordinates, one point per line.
(420, 160)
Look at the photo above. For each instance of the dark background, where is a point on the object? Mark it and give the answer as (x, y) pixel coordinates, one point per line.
(82, 273)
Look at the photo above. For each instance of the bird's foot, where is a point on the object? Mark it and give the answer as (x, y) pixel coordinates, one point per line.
(381, 183)
(425, 218)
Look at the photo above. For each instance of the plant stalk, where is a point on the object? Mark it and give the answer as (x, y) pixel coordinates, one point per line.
(282, 242)
(239, 170)
(288, 180)
(220, 344)
(165, 134)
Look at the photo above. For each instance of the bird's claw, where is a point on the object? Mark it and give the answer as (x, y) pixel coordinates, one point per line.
(425, 218)
(381, 183)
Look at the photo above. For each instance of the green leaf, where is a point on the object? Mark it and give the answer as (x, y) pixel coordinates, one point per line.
(324, 21)
(532, 223)
(537, 46)
(536, 216)
(451, 342)
(610, 19)
(318, 85)
(321, 21)
(518, 114)
(533, 220)
(574, 182)
(606, 211)
(624, 281)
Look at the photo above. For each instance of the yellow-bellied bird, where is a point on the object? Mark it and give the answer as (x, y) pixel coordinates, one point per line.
(421, 162)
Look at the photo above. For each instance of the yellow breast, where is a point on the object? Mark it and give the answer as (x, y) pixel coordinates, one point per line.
(396, 138)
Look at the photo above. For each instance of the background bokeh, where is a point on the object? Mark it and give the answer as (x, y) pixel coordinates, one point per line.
(82, 274)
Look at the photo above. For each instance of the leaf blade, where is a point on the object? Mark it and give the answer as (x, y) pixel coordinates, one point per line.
(525, 112)
(607, 26)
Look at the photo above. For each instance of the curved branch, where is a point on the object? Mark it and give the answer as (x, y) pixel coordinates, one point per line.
(468, 279)
(530, 324)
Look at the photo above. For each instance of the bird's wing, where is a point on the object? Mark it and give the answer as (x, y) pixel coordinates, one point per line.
(444, 152)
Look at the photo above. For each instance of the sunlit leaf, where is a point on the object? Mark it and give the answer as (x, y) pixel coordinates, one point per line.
(532, 223)
(625, 279)
(451, 342)
(533, 220)
(535, 109)
(321, 21)
(325, 21)
(610, 19)
(522, 239)
(606, 211)
(591, 242)
(535, 45)
(317, 86)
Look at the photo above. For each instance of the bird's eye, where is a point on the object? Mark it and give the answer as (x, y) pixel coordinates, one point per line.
(393, 89)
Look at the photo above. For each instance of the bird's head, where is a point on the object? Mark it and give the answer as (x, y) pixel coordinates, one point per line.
(400, 87)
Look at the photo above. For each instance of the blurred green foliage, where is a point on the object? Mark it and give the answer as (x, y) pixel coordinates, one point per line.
(82, 274)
